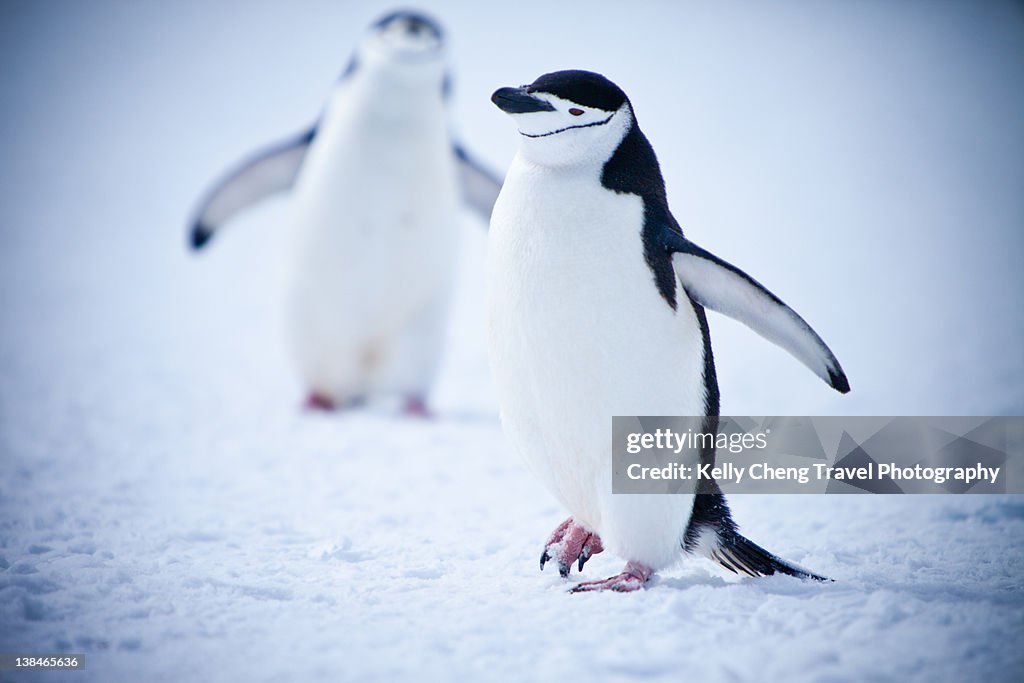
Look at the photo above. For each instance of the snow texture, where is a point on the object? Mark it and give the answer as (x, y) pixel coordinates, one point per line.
(167, 509)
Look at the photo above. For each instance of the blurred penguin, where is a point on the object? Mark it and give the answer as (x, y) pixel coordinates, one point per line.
(377, 183)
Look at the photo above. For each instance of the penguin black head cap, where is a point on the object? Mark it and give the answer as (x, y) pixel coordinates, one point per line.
(416, 22)
(582, 87)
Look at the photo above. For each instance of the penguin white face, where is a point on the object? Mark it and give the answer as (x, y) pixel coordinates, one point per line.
(567, 118)
(405, 36)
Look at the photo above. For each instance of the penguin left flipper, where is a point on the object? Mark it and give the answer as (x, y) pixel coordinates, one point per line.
(266, 173)
(721, 286)
(479, 185)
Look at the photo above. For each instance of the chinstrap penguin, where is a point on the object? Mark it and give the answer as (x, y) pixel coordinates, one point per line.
(377, 183)
(596, 307)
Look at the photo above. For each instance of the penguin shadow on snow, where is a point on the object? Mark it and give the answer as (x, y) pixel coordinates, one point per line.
(777, 585)
(376, 187)
(772, 585)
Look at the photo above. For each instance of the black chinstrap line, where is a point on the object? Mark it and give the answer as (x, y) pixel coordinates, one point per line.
(562, 130)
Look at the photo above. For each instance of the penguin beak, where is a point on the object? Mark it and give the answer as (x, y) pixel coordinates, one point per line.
(518, 101)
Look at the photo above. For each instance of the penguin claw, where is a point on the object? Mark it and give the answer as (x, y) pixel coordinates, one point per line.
(570, 543)
(592, 546)
(584, 556)
(634, 577)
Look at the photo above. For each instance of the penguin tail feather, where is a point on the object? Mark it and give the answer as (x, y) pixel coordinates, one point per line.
(742, 556)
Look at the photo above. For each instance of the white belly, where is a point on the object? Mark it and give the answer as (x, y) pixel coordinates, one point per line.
(579, 333)
(376, 211)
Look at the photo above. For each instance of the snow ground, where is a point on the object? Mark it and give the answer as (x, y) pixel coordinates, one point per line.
(165, 508)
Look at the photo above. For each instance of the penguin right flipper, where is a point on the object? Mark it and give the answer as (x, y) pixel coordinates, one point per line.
(721, 286)
(266, 173)
(479, 185)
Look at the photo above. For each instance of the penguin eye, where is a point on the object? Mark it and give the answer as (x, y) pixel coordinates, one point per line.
(576, 112)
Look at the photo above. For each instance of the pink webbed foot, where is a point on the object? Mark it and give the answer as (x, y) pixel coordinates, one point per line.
(318, 402)
(415, 406)
(570, 543)
(633, 578)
